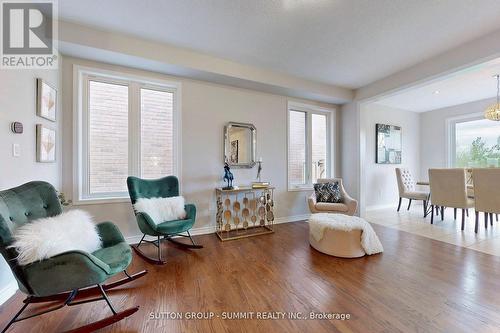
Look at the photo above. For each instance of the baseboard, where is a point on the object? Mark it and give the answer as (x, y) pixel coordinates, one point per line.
(210, 229)
(295, 218)
(8, 291)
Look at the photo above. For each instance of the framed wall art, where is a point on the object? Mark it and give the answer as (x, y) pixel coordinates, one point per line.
(45, 144)
(46, 103)
(388, 144)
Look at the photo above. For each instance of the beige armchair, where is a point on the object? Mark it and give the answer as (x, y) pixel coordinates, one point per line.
(449, 189)
(406, 188)
(347, 207)
(486, 194)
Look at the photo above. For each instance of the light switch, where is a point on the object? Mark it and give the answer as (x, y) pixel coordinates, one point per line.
(16, 150)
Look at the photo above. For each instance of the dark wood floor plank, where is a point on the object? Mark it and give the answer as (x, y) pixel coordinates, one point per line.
(416, 285)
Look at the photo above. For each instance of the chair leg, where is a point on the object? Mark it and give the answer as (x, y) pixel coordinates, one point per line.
(454, 213)
(159, 249)
(432, 214)
(155, 261)
(437, 210)
(442, 213)
(463, 219)
(105, 296)
(409, 204)
(425, 208)
(486, 220)
(497, 217)
(14, 319)
(477, 222)
(467, 212)
(399, 204)
(491, 219)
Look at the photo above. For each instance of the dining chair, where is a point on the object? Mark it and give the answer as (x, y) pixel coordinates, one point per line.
(406, 188)
(486, 194)
(449, 189)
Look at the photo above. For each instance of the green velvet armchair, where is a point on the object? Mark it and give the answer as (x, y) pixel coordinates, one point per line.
(160, 188)
(69, 276)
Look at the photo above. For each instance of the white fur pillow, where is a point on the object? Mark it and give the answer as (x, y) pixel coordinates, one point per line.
(162, 209)
(47, 237)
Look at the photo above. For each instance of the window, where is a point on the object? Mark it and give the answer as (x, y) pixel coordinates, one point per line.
(126, 126)
(475, 142)
(308, 145)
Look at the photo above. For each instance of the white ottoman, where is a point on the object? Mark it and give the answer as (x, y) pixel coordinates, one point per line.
(342, 235)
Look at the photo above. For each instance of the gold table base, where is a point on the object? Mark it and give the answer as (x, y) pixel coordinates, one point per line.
(244, 212)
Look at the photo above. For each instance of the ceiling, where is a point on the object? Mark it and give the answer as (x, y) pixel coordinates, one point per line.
(350, 43)
(471, 84)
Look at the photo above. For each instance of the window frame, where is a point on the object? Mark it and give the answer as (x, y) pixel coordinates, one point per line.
(82, 76)
(450, 132)
(330, 148)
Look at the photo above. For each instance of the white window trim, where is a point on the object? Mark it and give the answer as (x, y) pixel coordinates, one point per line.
(80, 75)
(451, 135)
(331, 121)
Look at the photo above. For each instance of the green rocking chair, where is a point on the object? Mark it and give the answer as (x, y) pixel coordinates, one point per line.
(70, 278)
(160, 188)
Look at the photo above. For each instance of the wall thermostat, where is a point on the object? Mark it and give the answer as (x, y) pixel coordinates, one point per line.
(16, 127)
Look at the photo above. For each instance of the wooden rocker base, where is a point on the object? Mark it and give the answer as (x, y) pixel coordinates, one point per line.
(77, 297)
(87, 292)
(157, 243)
(189, 246)
(105, 322)
(154, 261)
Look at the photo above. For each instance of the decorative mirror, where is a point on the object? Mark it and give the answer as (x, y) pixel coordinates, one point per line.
(240, 141)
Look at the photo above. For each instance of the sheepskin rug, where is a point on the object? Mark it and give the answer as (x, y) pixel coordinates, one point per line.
(162, 209)
(44, 238)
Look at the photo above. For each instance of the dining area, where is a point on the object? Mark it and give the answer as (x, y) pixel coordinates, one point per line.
(465, 190)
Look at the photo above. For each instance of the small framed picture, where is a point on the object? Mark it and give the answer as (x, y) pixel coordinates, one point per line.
(45, 144)
(46, 103)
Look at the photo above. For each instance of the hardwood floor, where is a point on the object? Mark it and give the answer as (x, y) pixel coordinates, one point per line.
(416, 285)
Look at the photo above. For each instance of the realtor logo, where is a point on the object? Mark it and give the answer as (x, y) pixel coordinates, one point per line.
(28, 30)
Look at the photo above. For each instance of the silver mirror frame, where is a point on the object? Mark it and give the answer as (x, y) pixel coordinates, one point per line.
(227, 145)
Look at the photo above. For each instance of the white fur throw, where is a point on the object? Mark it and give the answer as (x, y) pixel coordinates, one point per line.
(369, 239)
(47, 237)
(162, 209)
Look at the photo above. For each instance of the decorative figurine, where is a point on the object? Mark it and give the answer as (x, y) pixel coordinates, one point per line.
(228, 177)
(259, 169)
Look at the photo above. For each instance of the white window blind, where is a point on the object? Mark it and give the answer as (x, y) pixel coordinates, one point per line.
(126, 126)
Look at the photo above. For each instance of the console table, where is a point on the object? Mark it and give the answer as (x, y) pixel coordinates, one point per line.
(244, 212)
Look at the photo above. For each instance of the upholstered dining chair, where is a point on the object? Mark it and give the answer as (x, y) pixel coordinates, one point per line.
(348, 205)
(69, 278)
(486, 194)
(449, 189)
(407, 189)
(160, 188)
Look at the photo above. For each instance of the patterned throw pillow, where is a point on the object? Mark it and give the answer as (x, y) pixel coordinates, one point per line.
(328, 192)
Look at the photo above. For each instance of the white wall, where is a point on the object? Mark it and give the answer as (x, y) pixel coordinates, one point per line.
(206, 108)
(349, 149)
(18, 103)
(433, 143)
(380, 186)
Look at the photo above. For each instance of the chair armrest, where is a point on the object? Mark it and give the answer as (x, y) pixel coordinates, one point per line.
(190, 211)
(146, 224)
(351, 203)
(311, 201)
(66, 271)
(110, 234)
